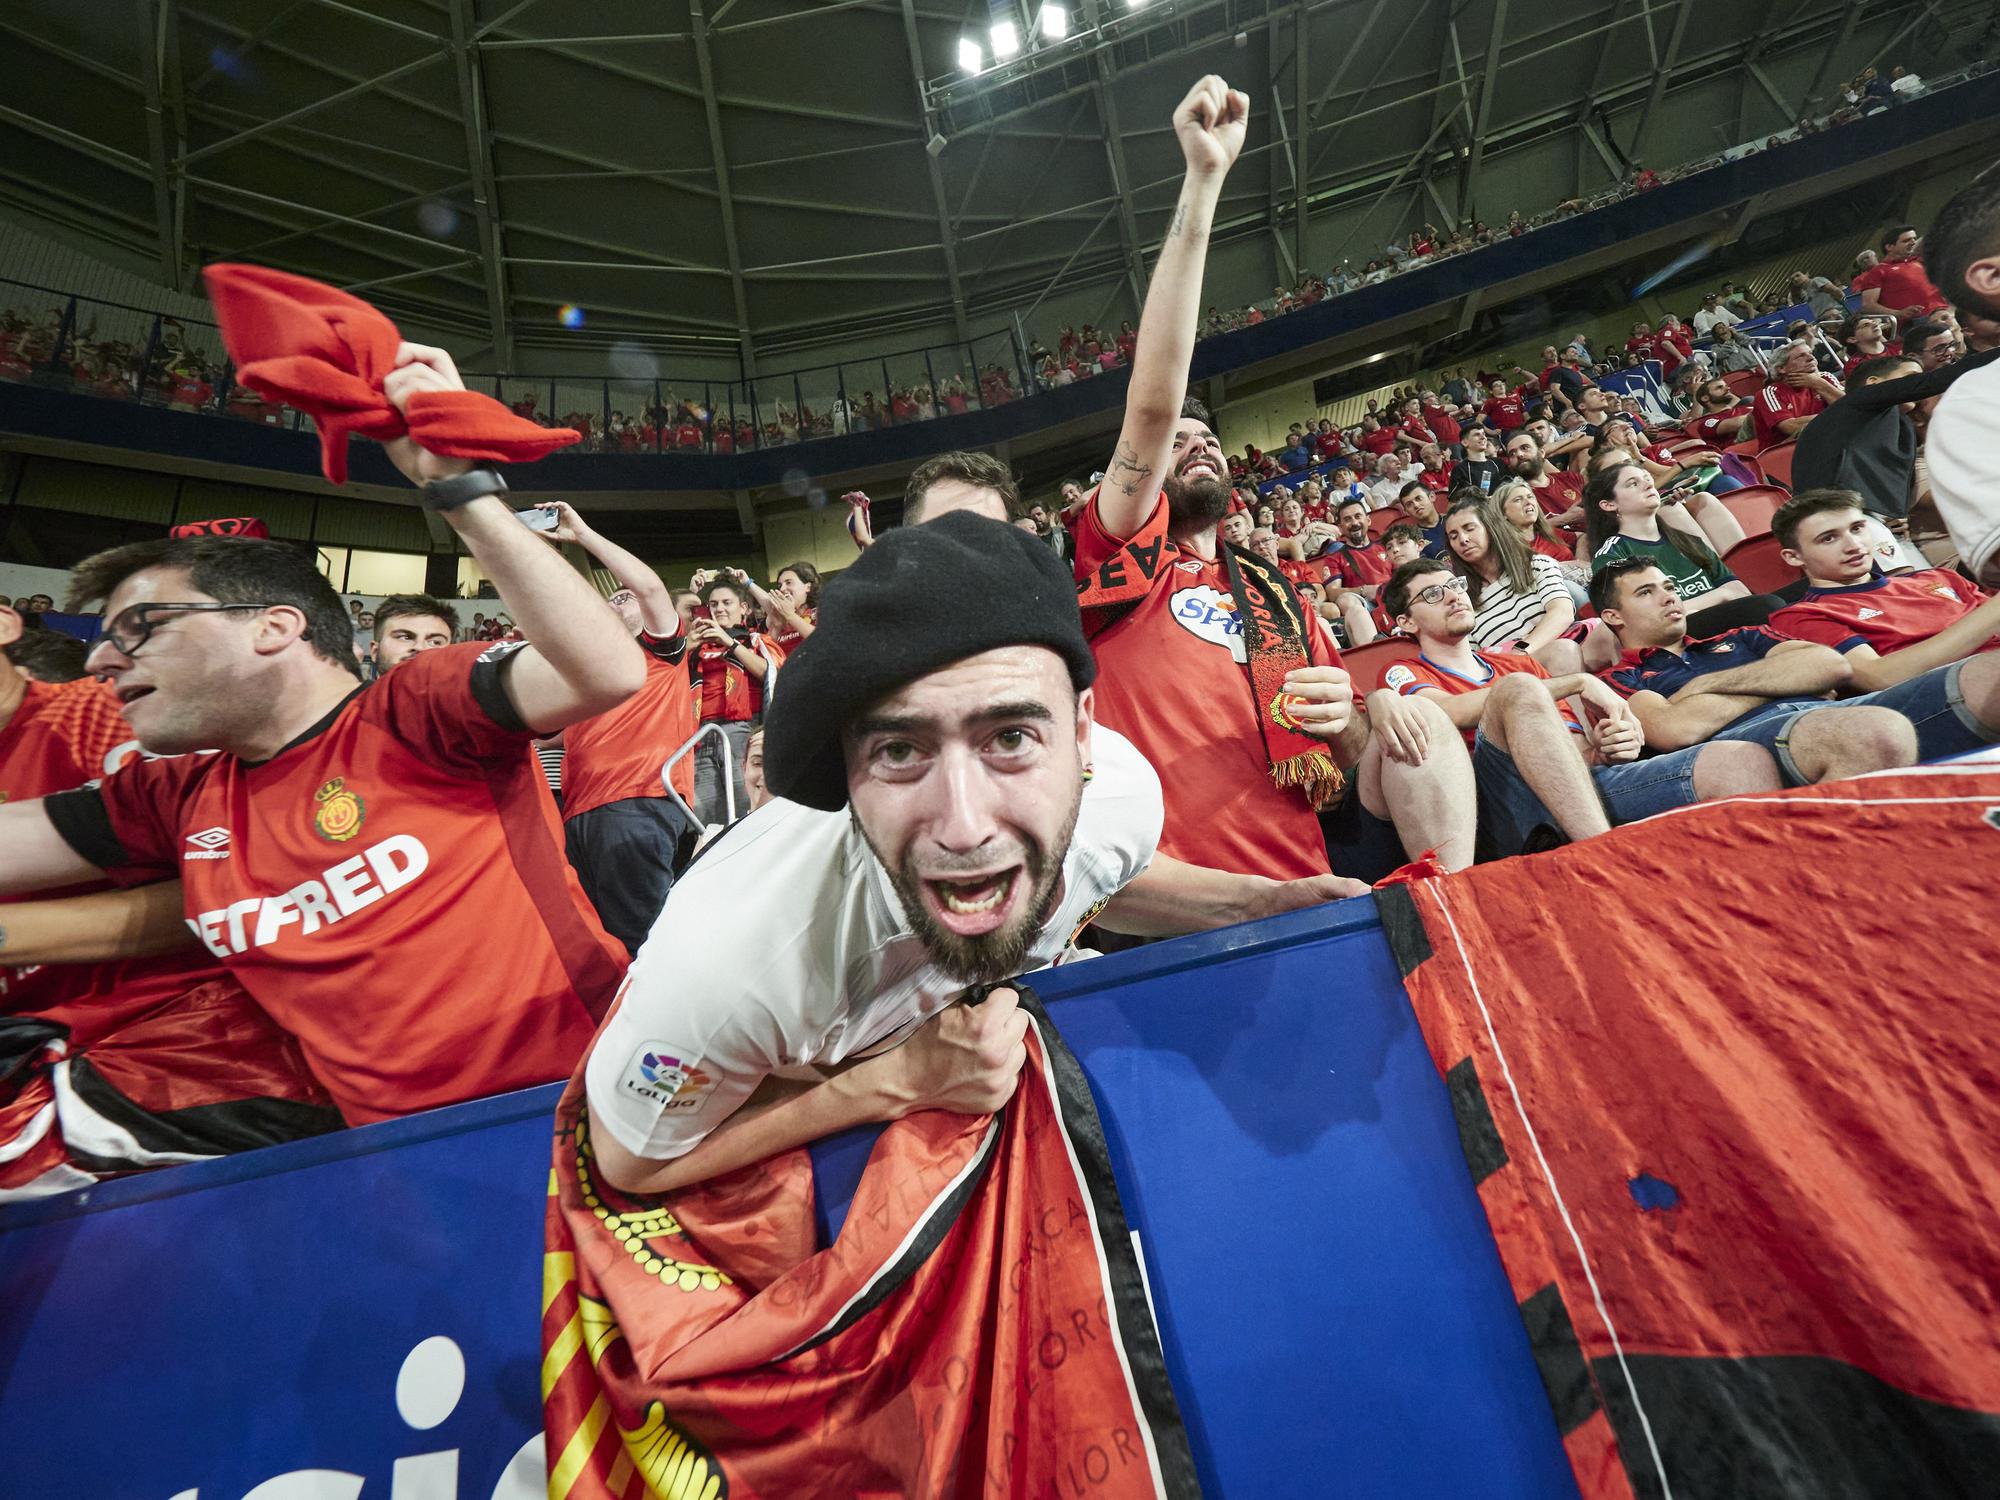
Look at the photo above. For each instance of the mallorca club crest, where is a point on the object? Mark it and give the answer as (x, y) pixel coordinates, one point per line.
(1284, 712)
(337, 813)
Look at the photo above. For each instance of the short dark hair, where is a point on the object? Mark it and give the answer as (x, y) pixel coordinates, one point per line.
(1966, 229)
(1890, 236)
(981, 469)
(232, 570)
(724, 581)
(1415, 484)
(1881, 364)
(413, 606)
(1806, 504)
(1351, 500)
(1919, 334)
(1402, 531)
(48, 655)
(1396, 597)
(1194, 409)
(1605, 581)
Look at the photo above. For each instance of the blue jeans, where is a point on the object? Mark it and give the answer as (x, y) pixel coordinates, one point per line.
(1509, 808)
(1934, 704)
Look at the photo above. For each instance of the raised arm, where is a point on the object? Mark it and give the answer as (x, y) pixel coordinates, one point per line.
(580, 660)
(98, 928)
(656, 600)
(1210, 123)
(1169, 898)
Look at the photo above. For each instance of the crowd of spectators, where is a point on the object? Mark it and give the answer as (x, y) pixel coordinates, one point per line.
(518, 796)
(171, 369)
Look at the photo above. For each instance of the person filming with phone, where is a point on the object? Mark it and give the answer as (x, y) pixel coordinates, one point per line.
(734, 669)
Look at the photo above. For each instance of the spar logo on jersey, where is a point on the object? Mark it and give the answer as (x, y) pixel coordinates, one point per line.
(210, 843)
(659, 1075)
(1946, 591)
(1869, 614)
(338, 812)
(1205, 611)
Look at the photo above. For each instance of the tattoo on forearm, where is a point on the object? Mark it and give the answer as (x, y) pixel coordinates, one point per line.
(1126, 474)
(1180, 222)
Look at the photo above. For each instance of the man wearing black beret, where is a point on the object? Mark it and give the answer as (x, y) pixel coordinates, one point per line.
(949, 815)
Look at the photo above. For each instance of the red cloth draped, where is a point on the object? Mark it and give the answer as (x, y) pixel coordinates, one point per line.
(314, 347)
(978, 1328)
(1726, 1080)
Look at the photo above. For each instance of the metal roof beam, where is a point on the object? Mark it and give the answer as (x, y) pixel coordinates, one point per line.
(706, 68)
(479, 166)
(154, 27)
(1301, 25)
(1121, 182)
(1468, 184)
(1664, 75)
(365, 86)
(1287, 262)
(946, 245)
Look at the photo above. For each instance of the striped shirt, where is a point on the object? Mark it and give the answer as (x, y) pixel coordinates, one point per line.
(1504, 616)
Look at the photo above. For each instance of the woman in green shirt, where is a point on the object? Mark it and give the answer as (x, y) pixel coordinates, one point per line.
(1621, 505)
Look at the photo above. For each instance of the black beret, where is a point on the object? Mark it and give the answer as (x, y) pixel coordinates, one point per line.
(921, 598)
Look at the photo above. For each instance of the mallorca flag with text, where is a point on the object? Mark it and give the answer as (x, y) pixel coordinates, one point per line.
(1727, 1082)
(978, 1328)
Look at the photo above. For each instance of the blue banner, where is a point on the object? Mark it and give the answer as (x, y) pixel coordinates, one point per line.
(355, 1317)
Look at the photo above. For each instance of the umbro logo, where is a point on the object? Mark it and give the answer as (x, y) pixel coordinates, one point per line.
(210, 843)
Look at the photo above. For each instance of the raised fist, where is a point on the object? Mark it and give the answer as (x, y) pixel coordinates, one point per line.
(1211, 122)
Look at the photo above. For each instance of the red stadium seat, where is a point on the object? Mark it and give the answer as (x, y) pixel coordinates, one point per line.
(1366, 664)
(1753, 506)
(1381, 520)
(1758, 564)
(1744, 382)
(1776, 463)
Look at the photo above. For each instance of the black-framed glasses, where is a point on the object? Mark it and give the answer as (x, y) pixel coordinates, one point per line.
(1436, 593)
(134, 625)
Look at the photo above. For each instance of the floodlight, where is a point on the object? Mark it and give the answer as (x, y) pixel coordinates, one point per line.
(969, 55)
(1006, 40)
(1055, 23)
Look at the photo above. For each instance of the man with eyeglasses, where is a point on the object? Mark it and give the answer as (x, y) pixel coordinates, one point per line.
(99, 1080)
(380, 868)
(1547, 752)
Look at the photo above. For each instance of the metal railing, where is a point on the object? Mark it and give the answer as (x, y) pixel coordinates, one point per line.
(728, 774)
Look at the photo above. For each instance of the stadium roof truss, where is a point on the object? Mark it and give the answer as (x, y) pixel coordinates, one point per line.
(749, 180)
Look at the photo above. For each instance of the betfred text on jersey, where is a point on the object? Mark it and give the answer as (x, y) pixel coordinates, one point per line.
(338, 892)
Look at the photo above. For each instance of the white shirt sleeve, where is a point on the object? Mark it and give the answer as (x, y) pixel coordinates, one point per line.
(1122, 814)
(1963, 453)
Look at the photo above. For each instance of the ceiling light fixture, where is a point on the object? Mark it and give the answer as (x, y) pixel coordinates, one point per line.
(1006, 40)
(969, 56)
(1055, 23)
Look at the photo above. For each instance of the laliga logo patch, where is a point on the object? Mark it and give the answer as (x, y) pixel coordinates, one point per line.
(1205, 611)
(1398, 677)
(657, 1075)
(339, 813)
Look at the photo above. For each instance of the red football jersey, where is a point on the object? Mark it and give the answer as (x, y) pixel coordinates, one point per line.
(1781, 403)
(1505, 412)
(1358, 567)
(1717, 428)
(1440, 421)
(1412, 677)
(1558, 490)
(1172, 679)
(1888, 612)
(617, 755)
(390, 887)
(1901, 283)
(727, 692)
(1378, 442)
(62, 735)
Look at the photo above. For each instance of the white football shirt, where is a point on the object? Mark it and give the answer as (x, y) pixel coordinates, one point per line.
(784, 949)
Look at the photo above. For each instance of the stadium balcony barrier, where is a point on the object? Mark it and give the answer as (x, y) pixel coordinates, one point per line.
(359, 1315)
(165, 370)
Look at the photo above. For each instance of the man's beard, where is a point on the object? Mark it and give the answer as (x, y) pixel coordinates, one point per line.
(1193, 501)
(998, 954)
(1529, 469)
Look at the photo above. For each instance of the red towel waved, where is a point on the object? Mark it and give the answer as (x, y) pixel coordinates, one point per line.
(314, 347)
(978, 1329)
